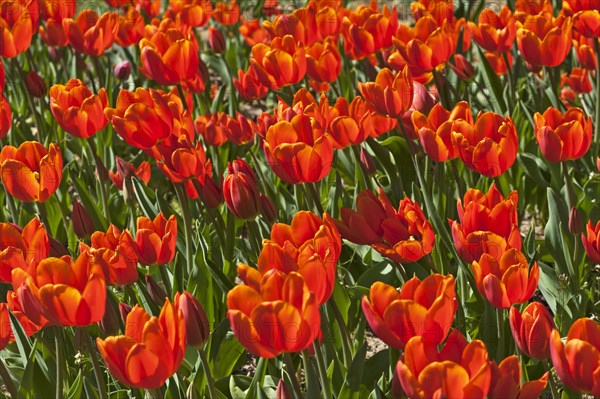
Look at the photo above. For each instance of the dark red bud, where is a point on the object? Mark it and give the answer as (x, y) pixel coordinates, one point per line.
(156, 292)
(367, 163)
(196, 321)
(35, 84)
(83, 225)
(122, 70)
(216, 40)
(268, 208)
(576, 225)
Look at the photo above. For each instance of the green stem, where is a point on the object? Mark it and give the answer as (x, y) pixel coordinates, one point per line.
(509, 75)
(103, 193)
(459, 182)
(11, 206)
(96, 365)
(154, 394)
(212, 391)
(187, 224)
(287, 358)
(165, 278)
(312, 189)
(322, 368)
(36, 117)
(346, 346)
(60, 363)
(500, 323)
(553, 389)
(402, 271)
(8, 382)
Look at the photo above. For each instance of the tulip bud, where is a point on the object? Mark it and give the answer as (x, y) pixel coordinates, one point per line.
(423, 99)
(282, 391)
(57, 249)
(241, 190)
(598, 163)
(216, 40)
(83, 225)
(576, 225)
(109, 322)
(35, 84)
(366, 162)
(211, 194)
(156, 292)
(268, 208)
(462, 67)
(101, 169)
(122, 70)
(124, 310)
(55, 55)
(196, 321)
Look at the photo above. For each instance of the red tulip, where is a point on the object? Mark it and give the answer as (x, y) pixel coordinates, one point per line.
(116, 252)
(279, 64)
(17, 26)
(531, 330)
(495, 32)
(5, 329)
(591, 239)
(196, 321)
(156, 239)
(20, 248)
(561, 136)
(543, 40)
(391, 94)
(5, 115)
(151, 350)
(91, 34)
(578, 79)
(240, 190)
(420, 309)
(577, 362)
(367, 31)
(249, 86)
(506, 381)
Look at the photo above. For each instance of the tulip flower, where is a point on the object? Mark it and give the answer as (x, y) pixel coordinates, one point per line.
(130, 28)
(487, 224)
(506, 381)
(53, 33)
(420, 309)
(5, 329)
(561, 136)
(16, 27)
(543, 41)
(577, 361)
(142, 118)
(35, 84)
(83, 225)
(77, 110)
(194, 13)
(323, 61)
(253, 31)
(216, 40)
(460, 370)
(226, 14)
(435, 130)
(279, 64)
(297, 151)
(156, 239)
(182, 162)
(63, 291)
(531, 330)
(16, 308)
(367, 31)
(281, 315)
(20, 248)
(122, 70)
(490, 146)
(390, 94)
(151, 350)
(462, 67)
(507, 280)
(591, 238)
(5, 115)
(373, 123)
(587, 23)
(578, 79)
(91, 34)
(248, 86)
(126, 170)
(427, 46)
(196, 321)
(31, 172)
(240, 190)
(169, 57)
(495, 31)
(116, 252)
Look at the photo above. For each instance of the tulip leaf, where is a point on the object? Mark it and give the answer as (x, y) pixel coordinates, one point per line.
(76, 388)
(533, 167)
(354, 376)
(143, 196)
(376, 366)
(89, 203)
(557, 211)
(225, 350)
(492, 82)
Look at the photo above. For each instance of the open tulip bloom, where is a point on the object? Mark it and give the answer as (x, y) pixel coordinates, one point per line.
(340, 199)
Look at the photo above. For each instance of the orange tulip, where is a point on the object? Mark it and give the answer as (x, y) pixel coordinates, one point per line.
(435, 130)
(578, 79)
(543, 41)
(591, 237)
(587, 23)
(279, 64)
(391, 94)
(126, 170)
(531, 330)
(487, 224)
(20, 248)
(460, 370)
(156, 239)
(193, 13)
(151, 350)
(420, 309)
(130, 28)
(5, 329)
(371, 122)
(281, 315)
(53, 33)
(490, 146)
(428, 46)
(181, 161)
(16, 308)
(498, 63)
(570, 7)
(116, 252)
(367, 31)
(440, 10)
(495, 32)
(577, 362)
(298, 151)
(31, 172)
(5, 114)
(506, 381)
(16, 27)
(196, 322)
(323, 61)
(226, 14)
(77, 110)
(563, 136)
(248, 86)
(64, 291)
(253, 31)
(169, 57)
(506, 280)
(585, 54)
(90, 34)
(310, 246)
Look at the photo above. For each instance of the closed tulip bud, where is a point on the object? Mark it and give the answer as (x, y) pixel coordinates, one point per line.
(110, 321)
(212, 195)
(241, 190)
(35, 84)
(55, 55)
(122, 70)
(216, 40)
(531, 330)
(462, 67)
(366, 162)
(196, 321)
(83, 225)
(124, 310)
(268, 208)
(156, 292)
(591, 241)
(57, 249)
(576, 225)
(5, 329)
(282, 391)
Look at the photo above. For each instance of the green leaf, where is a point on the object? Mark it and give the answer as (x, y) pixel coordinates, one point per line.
(493, 82)
(354, 377)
